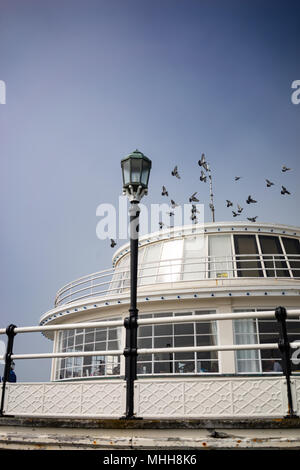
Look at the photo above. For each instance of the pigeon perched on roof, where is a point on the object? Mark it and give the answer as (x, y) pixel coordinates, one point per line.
(284, 190)
(164, 191)
(175, 172)
(269, 183)
(193, 198)
(112, 243)
(284, 169)
(252, 219)
(250, 200)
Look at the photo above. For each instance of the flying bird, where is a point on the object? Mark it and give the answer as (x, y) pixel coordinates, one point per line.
(170, 213)
(175, 172)
(194, 218)
(229, 203)
(240, 209)
(112, 243)
(269, 183)
(236, 178)
(203, 177)
(284, 190)
(161, 224)
(194, 209)
(284, 169)
(250, 200)
(235, 214)
(202, 162)
(252, 219)
(193, 198)
(173, 204)
(164, 192)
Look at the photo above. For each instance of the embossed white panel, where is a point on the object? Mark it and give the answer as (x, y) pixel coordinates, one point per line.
(94, 399)
(168, 398)
(208, 398)
(296, 388)
(259, 397)
(228, 397)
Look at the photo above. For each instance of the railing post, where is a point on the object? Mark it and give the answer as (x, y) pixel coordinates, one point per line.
(10, 331)
(285, 351)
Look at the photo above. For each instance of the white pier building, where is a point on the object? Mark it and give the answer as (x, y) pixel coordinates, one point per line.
(207, 334)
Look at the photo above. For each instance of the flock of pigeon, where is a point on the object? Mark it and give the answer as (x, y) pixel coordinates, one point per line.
(250, 200)
(203, 177)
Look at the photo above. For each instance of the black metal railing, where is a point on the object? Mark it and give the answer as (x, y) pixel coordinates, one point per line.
(283, 345)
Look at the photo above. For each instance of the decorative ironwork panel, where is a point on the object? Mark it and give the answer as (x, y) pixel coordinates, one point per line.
(296, 387)
(159, 398)
(259, 397)
(105, 399)
(228, 397)
(208, 398)
(186, 398)
(24, 399)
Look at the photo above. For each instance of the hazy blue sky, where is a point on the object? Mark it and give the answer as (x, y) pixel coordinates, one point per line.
(90, 81)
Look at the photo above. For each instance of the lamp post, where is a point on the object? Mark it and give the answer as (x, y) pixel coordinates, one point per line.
(135, 171)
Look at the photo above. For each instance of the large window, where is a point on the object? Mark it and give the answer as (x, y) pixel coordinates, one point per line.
(247, 259)
(150, 264)
(262, 331)
(178, 335)
(272, 255)
(171, 261)
(292, 249)
(92, 339)
(211, 256)
(220, 256)
(121, 276)
(194, 254)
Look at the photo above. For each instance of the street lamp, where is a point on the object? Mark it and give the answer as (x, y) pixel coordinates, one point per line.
(135, 171)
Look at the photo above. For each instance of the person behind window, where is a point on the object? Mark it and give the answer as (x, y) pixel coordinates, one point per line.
(277, 367)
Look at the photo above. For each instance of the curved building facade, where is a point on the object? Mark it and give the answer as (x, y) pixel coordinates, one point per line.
(190, 270)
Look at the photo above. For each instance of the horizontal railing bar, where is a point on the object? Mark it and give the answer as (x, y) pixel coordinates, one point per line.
(67, 354)
(213, 316)
(254, 257)
(178, 261)
(228, 347)
(105, 291)
(158, 320)
(66, 326)
(59, 300)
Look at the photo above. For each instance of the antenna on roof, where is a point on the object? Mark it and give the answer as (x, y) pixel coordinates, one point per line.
(211, 205)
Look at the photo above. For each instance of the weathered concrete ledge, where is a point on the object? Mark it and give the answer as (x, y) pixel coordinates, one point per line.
(25, 433)
(203, 423)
